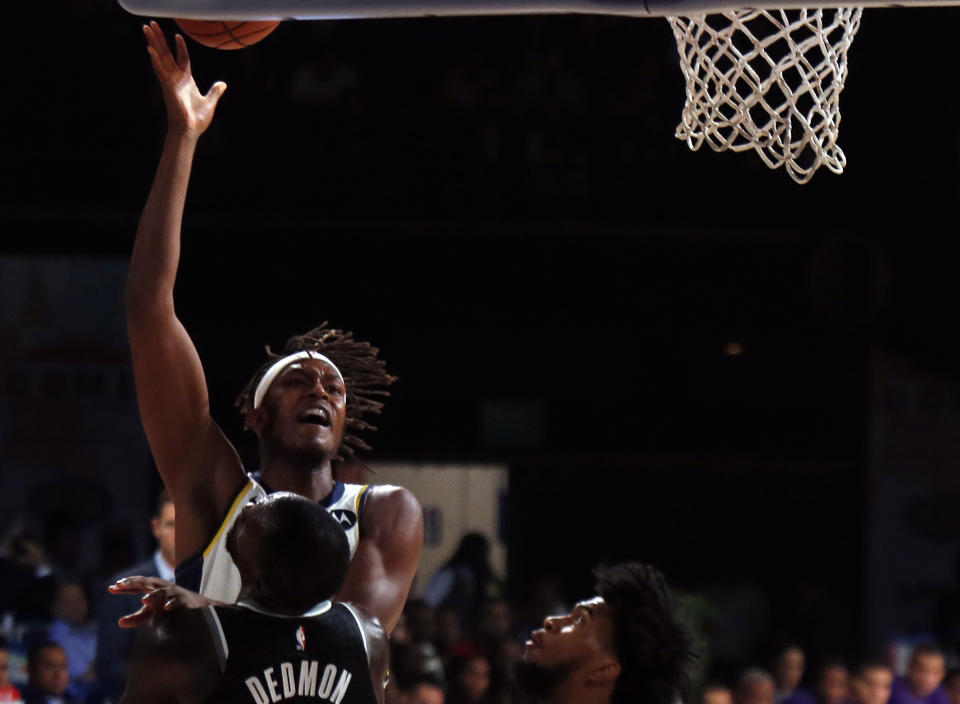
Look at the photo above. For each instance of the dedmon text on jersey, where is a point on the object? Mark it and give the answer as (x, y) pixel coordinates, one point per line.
(284, 682)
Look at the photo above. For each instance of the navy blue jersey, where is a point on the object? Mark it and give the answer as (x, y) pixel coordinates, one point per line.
(265, 658)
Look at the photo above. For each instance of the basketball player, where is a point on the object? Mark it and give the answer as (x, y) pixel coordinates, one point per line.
(624, 645)
(305, 405)
(284, 639)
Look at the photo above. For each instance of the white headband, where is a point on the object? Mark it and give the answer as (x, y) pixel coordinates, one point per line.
(280, 365)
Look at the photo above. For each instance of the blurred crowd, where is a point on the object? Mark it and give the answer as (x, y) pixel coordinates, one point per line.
(925, 680)
(456, 643)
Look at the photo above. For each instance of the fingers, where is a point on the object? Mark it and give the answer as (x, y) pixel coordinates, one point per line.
(216, 90)
(166, 598)
(137, 618)
(138, 585)
(154, 59)
(183, 57)
(158, 597)
(157, 42)
(154, 36)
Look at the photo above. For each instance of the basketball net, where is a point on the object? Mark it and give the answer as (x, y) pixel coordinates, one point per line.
(767, 80)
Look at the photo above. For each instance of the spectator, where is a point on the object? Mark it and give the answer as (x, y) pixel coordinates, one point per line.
(420, 625)
(495, 623)
(465, 581)
(833, 684)
(755, 686)
(951, 685)
(469, 678)
(27, 584)
(49, 675)
(788, 672)
(73, 631)
(8, 693)
(871, 683)
(114, 643)
(447, 634)
(406, 666)
(504, 656)
(716, 693)
(426, 691)
(922, 684)
(546, 599)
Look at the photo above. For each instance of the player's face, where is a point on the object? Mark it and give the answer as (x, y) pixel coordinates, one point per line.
(578, 637)
(50, 674)
(304, 410)
(873, 686)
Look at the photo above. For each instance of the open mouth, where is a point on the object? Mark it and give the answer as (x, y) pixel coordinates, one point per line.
(315, 416)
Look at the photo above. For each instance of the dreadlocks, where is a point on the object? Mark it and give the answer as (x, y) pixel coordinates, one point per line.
(364, 375)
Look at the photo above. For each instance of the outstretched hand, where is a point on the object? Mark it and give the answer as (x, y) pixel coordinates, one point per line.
(159, 595)
(188, 110)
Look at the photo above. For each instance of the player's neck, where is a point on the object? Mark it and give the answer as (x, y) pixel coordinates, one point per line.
(264, 604)
(572, 694)
(314, 482)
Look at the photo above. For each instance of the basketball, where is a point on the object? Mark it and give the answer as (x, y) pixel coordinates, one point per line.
(228, 34)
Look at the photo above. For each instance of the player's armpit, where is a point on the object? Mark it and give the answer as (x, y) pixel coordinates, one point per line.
(391, 540)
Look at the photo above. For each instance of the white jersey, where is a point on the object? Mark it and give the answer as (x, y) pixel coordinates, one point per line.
(213, 573)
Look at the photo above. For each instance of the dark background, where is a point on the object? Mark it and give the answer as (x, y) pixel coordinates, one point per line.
(501, 206)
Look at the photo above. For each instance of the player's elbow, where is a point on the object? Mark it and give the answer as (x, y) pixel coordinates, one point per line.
(144, 306)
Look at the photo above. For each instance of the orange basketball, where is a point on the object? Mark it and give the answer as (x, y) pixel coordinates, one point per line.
(227, 34)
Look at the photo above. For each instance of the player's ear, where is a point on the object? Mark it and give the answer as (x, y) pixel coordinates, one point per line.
(255, 420)
(604, 672)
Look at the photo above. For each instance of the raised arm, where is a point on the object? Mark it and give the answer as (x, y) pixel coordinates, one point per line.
(198, 465)
(391, 540)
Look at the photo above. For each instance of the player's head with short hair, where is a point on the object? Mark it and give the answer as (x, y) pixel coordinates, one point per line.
(627, 642)
(291, 553)
(359, 365)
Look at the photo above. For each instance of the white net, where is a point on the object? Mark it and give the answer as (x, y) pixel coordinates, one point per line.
(767, 80)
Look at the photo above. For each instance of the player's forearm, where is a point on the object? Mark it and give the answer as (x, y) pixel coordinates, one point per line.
(156, 249)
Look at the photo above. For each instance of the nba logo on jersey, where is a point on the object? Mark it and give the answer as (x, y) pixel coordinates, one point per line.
(301, 638)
